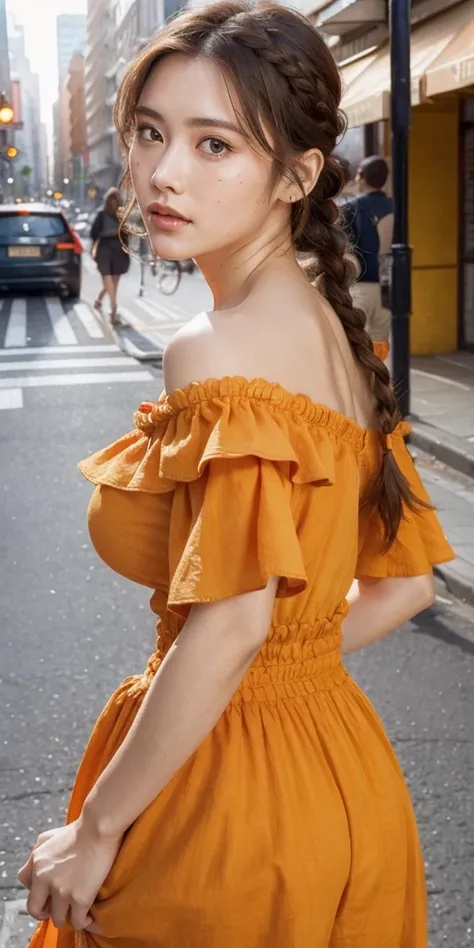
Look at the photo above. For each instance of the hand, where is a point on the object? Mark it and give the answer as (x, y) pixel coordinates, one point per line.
(64, 873)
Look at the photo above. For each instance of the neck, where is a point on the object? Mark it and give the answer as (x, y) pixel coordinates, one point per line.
(232, 273)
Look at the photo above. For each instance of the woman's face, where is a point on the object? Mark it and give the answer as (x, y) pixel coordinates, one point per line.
(188, 157)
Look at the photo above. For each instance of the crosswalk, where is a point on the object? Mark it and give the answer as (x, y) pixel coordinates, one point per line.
(45, 321)
(46, 343)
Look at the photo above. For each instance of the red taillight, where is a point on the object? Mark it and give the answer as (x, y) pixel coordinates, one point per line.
(73, 244)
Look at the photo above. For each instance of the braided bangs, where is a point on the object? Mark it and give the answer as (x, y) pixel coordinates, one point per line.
(286, 91)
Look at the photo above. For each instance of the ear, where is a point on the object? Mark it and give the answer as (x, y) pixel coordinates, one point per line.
(308, 167)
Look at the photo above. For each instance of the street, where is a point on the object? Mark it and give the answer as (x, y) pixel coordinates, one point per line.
(71, 629)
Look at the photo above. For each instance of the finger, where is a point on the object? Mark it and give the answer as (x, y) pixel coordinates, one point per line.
(25, 875)
(80, 916)
(94, 928)
(59, 909)
(36, 905)
(42, 838)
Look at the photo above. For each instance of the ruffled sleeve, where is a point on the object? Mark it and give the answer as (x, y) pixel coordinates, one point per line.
(231, 453)
(420, 543)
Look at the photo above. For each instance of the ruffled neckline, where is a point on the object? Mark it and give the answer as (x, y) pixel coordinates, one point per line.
(150, 414)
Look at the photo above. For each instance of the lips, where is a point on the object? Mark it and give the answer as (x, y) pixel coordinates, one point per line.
(163, 210)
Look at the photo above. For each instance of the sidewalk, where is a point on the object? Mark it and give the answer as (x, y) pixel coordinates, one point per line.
(442, 408)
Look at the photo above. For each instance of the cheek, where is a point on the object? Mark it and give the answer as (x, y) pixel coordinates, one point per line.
(239, 193)
(133, 167)
(138, 170)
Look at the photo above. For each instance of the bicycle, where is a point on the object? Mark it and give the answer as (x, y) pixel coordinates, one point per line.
(168, 273)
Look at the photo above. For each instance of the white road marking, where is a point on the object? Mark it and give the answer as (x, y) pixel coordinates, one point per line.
(36, 364)
(157, 333)
(83, 378)
(16, 329)
(58, 350)
(132, 319)
(62, 328)
(171, 311)
(88, 320)
(156, 313)
(11, 398)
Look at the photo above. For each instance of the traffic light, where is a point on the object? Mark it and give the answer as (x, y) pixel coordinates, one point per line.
(6, 112)
(57, 195)
(11, 152)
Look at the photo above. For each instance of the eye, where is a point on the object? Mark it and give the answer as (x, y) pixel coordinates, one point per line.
(215, 147)
(148, 133)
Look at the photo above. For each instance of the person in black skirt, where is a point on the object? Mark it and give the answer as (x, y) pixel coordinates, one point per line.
(109, 250)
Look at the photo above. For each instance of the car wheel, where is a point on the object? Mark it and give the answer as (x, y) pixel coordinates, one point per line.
(74, 292)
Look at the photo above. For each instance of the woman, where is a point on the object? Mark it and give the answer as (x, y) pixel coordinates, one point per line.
(242, 791)
(111, 257)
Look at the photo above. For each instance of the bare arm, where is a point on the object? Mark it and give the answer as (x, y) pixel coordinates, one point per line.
(190, 691)
(380, 606)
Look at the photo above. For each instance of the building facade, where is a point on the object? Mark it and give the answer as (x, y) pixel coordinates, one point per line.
(28, 167)
(78, 131)
(71, 38)
(116, 31)
(441, 151)
(4, 57)
(71, 41)
(104, 162)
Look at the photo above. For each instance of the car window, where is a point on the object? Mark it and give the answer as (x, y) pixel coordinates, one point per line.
(30, 225)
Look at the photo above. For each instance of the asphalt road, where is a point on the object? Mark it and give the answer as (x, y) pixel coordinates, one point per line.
(71, 630)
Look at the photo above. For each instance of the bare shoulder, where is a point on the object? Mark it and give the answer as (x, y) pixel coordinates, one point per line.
(187, 354)
(211, 345)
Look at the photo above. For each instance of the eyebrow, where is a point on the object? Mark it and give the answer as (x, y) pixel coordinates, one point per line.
(197, 122)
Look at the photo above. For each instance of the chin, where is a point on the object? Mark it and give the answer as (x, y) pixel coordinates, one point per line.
(169, 249)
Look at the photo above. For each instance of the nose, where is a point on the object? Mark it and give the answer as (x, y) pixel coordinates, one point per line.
(169, 172)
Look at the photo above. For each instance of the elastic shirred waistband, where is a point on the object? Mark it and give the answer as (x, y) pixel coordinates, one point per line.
(296, 660)
(319, 668)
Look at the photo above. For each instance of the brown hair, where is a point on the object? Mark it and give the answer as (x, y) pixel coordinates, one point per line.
(112, 202)
(286, 80)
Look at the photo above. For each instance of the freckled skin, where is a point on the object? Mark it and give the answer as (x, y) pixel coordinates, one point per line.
(173, 164)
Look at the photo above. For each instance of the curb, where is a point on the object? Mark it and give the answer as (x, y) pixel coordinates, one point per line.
(129, 348)
(142, 355)
(458, 578)
(443, 446)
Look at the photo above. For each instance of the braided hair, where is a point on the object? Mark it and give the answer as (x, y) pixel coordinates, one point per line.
(283, 78)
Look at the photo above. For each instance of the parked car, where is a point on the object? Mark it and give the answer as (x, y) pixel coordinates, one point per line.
(39, 249)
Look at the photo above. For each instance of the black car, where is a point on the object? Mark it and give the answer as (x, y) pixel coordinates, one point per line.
(39, 248)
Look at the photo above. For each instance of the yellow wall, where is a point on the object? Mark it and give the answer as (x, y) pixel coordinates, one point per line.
(434, 222)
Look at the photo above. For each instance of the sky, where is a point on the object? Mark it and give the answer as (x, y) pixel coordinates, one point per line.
(39, 20)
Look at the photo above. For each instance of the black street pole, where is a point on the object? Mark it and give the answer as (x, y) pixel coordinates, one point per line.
(401, 252)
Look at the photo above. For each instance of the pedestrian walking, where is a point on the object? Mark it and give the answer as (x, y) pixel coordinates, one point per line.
(109, 250)
(368, 220)
(242, 790)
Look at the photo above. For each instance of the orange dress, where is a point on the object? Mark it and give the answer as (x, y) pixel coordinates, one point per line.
(291, 826)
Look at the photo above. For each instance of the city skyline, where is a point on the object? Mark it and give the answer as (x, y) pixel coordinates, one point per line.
(39, 22)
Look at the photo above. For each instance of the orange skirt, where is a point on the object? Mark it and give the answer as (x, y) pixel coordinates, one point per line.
(290, 827)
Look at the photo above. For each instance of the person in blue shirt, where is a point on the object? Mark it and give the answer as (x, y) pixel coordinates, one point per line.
(368, 222)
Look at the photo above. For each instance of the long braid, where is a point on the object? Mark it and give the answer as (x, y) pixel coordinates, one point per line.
(325, 236)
